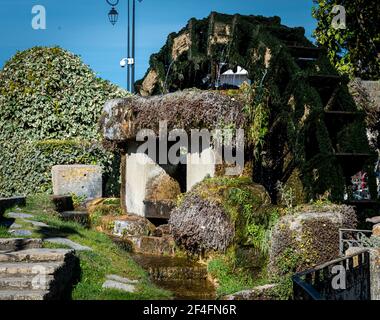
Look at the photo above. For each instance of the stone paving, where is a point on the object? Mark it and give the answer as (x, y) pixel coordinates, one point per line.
(119, 283)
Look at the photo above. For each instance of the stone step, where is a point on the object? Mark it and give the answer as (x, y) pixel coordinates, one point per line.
(62, 203)
(25, 295)
(81, 217)
(37, 255)
(7, 203)
(28, 268)
(26, 283)
(14, 244)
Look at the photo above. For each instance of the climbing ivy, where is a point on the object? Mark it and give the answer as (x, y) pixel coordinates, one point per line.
(25, 167)
(49, 94)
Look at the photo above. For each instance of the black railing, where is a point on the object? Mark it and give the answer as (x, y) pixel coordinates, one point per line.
(321, 283)
(352, 238)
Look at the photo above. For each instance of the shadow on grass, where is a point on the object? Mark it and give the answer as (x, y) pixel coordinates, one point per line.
(56, 232)
(6, 222)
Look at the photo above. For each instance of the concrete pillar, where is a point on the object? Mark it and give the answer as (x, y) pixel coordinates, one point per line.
(139, 170)
(200, 166)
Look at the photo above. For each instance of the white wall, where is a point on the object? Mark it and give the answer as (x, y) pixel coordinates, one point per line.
(198, 167)
(140, 169)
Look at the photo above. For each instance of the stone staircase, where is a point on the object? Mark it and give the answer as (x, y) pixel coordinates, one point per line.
(29, 272)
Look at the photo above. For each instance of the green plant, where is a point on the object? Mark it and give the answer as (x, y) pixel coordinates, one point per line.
(31, 172)
(287, 195)
(353, 49)
(287, 265)
(50, 103)
(4, 232)
(78, 200)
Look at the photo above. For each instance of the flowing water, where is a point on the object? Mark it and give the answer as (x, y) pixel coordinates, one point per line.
(186, 279)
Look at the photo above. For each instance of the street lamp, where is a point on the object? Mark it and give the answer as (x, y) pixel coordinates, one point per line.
(130, 60)
(113, 15)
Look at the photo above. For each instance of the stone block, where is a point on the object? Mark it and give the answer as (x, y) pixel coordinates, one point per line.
(63, 203)
(81, 180)
(117, 278)
(163, 230)
(133, 226)
(151, 245)
(68, 243)
(110, 284)
(81, 217)
(14, 244)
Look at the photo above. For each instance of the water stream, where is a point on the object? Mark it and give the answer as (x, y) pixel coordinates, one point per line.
(186, 279)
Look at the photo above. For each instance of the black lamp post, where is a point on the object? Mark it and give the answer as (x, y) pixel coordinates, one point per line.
(113, 17)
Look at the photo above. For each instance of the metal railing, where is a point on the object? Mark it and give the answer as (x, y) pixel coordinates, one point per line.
(352, 238)
(317, 283)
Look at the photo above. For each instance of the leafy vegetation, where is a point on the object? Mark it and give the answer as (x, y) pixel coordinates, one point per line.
(352, 50)
(50, 104)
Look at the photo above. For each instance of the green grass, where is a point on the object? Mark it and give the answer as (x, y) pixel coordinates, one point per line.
(106, 257)
(231, 280)
(4, 232)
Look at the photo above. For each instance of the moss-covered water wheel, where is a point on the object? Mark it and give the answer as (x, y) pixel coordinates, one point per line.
(303, 127)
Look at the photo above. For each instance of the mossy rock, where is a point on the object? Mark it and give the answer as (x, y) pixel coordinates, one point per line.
(308, 237)
(102, 212)
(220, 212)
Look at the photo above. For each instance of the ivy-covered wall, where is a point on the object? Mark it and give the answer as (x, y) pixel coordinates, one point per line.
(50, 104)
(25, 167)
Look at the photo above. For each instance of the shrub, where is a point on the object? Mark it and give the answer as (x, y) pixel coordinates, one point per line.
(25, 167)
(47, 95)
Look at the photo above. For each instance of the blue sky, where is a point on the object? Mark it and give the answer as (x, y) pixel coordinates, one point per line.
(82, 27)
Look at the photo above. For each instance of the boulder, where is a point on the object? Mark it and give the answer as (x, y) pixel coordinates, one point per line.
(308, 237)
(215, 213)
(132, 226)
